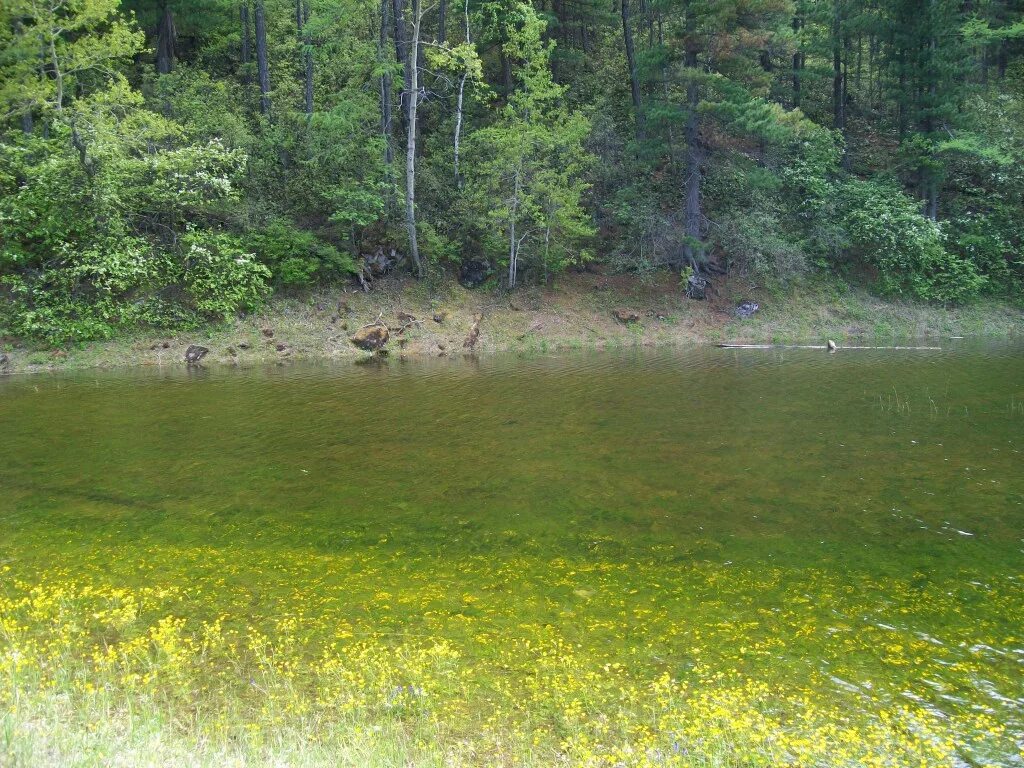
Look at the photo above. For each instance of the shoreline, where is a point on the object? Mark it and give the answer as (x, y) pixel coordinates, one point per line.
(436, 319)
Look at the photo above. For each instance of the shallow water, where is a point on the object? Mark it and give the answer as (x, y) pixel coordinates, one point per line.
(847, 525)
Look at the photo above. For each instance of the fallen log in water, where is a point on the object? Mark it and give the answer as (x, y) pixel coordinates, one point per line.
(811, 346)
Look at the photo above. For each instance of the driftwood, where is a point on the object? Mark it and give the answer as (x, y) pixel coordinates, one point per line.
(375, 322)
(812, 346)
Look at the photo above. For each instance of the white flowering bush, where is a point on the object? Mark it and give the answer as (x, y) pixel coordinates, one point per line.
(219, 277)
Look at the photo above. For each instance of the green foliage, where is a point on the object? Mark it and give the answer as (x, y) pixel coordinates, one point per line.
(218, 276)
(108, 217)
(297, 257)
(768, 136)
(527, 169)
(886, 229)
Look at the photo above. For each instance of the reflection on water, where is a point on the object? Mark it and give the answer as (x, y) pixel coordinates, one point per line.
(848, 524)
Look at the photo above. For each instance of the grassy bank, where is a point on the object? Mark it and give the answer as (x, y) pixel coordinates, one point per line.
(576, 313)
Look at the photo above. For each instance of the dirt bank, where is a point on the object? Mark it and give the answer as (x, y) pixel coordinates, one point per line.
(435, 319)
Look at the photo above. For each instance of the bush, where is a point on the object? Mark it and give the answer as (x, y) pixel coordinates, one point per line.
(885, 228)
(219, 277)
(756, 242)
(297, 258)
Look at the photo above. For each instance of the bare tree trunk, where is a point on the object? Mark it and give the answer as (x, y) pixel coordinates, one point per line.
(506, 73)
(442, 21)
(166, 42)
(385, 86)
(301, 17)
(932, 183)
(692, 248)
(412, 98)
(513, 244)
(798, 61)
(26, 116)
(58, 74)
(243, 14)
(665, 95)
(838, 107)
(460, 100)
(402, 55)
(262, 66)
(634, 83)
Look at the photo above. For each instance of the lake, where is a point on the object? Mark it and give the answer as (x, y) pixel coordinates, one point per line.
(633, 557)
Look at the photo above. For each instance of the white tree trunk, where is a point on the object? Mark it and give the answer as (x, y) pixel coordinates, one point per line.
(458, 105)
(410, 147)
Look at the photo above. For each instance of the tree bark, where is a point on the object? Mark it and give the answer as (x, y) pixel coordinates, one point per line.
(246, 56)
(460, 100)
(634, 83)
(506, 73)
(262, 65)
(385, 86)
(402, 55)
(442, 21)
(412, 97)
(693, 250)
(838, 107)
(301, 17)
(26, 116)
(166, 42)
(798, 61)
(513, 244)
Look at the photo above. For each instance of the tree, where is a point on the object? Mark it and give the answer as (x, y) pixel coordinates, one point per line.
(412, 98)
(527, 172)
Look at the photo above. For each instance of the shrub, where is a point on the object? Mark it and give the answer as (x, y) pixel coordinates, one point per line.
(296, 257)
(885, 228)
(219, 277)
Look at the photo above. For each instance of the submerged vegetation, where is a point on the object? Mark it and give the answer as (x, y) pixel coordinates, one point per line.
(508, 566)
(221, 656)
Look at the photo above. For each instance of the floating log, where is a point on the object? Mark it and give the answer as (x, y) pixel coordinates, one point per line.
(813, 346)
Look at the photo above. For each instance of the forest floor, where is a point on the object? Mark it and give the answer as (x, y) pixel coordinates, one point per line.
(577, 313)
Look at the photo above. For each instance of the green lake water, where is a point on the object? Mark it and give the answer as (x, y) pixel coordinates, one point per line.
(850, 525)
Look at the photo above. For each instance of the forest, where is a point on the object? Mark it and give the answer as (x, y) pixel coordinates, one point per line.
(165, 164)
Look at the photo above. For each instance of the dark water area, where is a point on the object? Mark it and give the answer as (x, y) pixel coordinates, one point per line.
(850, 523)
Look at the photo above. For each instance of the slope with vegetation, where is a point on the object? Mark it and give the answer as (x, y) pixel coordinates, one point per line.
(167, 164)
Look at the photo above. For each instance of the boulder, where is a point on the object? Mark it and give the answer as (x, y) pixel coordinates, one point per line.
(4, 361)
(747, 309)
(626, 316)
(371, 338)
(440, 317)
(195, 353)
(474, 273)
(378, 263)
(244, 345)
(696, 287)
